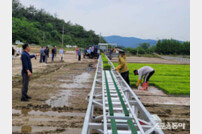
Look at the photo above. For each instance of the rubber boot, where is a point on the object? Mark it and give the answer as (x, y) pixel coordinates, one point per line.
(147, 84)
(143, 86)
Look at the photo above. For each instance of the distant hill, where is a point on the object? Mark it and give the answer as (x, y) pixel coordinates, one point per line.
(128, 41)
(31, 25)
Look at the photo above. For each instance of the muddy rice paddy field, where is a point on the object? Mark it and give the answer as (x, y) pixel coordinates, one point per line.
(59, 93)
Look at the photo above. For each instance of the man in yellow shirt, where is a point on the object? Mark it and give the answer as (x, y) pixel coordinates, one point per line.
(122, 67)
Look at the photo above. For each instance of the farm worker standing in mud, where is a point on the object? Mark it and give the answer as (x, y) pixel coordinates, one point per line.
(76, 51)
(53, 53)
(61, 54)
(89, 52)
(26, 71)
(147, 72)
(42, 54)
(46, 51)
(79, 55)
(123, 67)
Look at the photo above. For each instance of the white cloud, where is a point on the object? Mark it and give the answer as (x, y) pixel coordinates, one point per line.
(27, 3)
(146, 18)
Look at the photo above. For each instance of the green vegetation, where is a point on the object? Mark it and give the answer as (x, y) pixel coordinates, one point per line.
(30, 25)
(172, 47)
(106, 65)
(173, 79)
(165, 47)
(144, 48)
(104, 59)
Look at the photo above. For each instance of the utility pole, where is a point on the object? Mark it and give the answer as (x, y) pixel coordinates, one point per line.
(100, 38)
(62, 35)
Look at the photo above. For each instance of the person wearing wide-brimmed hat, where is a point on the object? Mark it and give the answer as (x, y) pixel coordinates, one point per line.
(123, 67)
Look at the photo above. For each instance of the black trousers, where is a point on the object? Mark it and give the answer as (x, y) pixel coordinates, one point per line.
(44, 58)
(25, 84)
(79, 57)
(125, 76)
(41, 58)
(148, 75)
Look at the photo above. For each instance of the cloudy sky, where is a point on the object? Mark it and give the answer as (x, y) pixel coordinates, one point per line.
(147, 19)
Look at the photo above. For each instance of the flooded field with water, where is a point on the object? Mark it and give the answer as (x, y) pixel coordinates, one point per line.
(58, 103)
(59, 94)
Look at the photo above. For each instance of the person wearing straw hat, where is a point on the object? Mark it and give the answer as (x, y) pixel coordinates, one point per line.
(122, 67)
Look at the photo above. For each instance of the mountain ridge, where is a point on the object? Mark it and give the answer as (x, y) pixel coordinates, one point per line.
(132, 42)
(128, 41)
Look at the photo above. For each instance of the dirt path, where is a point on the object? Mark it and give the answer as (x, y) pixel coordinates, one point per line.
(134, 59)
(178, 58)
(58, 103)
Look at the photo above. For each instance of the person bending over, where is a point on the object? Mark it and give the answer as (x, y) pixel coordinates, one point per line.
(145, 71)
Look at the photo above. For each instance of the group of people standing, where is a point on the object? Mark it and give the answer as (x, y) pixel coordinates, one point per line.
(92, 52)
(122, 67)
(44, 54)
(27, 65)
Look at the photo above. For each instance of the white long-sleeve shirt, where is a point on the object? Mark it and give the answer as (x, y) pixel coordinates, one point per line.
(143, 71)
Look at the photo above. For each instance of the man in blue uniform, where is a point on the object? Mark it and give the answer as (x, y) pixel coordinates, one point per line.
(26, 71)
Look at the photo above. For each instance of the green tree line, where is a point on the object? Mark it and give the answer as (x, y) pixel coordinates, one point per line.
(36, 26)
(170, 46)
(165, 46)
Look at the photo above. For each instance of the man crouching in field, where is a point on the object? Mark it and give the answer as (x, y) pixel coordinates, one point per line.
(26, 71)
(147, 72)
